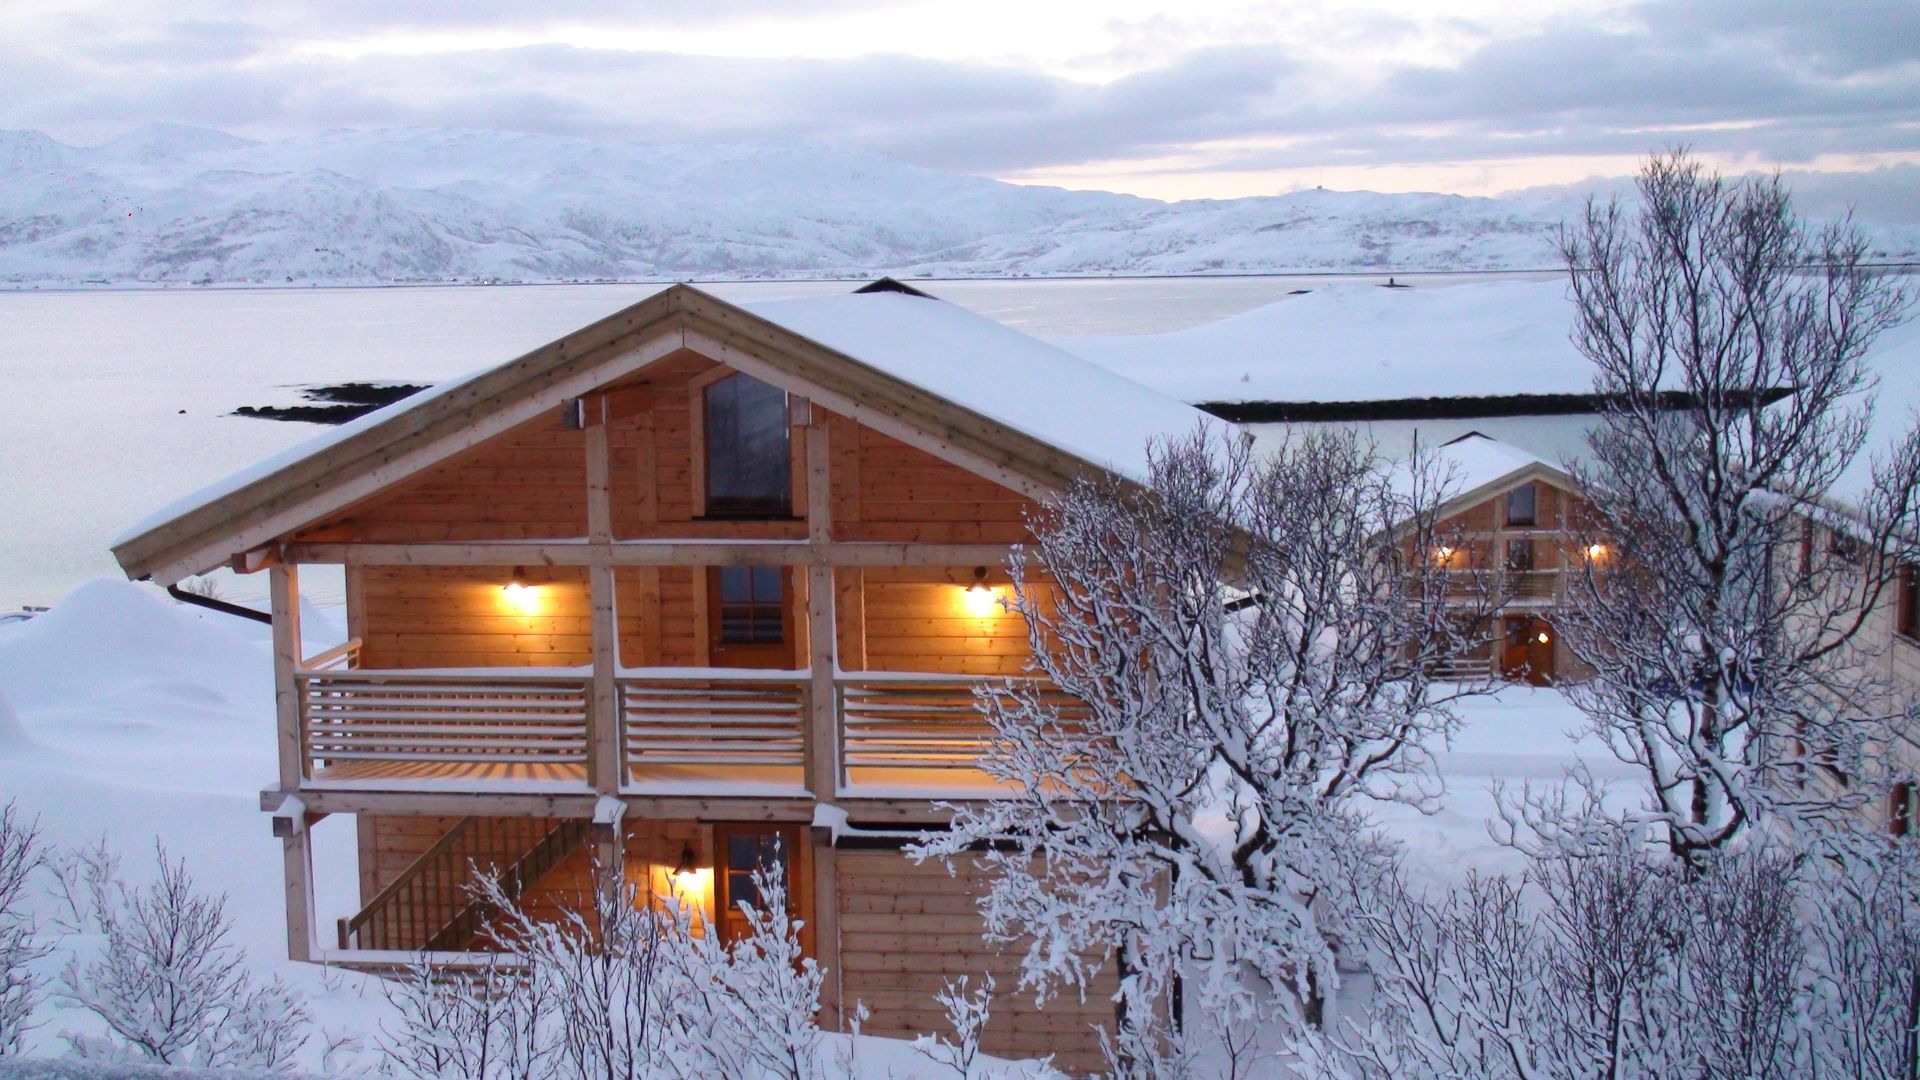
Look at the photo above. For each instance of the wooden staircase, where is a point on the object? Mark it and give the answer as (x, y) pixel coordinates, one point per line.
(429, 906)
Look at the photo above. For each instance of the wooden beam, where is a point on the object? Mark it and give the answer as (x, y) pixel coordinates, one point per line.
(296, 857)
(826, 929)
(582, 805)
(651, 553)
(819, 486)
(611, 405)
(823, 706)
(283, 587)
(606, 764)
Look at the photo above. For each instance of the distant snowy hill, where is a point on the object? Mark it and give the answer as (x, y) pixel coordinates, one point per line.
(167, 203)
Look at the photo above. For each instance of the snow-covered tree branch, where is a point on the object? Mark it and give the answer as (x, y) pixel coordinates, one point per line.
(22, 855)
(1232, 659)
(164, 976)
(1729, 339)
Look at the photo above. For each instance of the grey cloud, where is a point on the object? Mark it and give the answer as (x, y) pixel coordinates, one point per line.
(1770, 77)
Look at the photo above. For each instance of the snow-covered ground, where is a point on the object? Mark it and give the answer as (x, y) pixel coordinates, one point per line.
(127, 716)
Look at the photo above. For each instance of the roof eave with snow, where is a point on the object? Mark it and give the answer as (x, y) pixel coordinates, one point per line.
(989, 398)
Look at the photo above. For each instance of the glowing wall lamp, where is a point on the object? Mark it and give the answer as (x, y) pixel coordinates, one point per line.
(1596, 552)
(1442, 554)
(979, 597)
(684, 873)
(520, 593)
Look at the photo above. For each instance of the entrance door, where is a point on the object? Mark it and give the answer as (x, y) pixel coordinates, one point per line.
(1527, 655)
(738, 851)
(750, 617)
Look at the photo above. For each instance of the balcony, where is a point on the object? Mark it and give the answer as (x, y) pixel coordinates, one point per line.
(691, 732)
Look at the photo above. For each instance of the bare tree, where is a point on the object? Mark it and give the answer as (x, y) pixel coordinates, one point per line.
(967, 1014)
(1234, 656)
(621, 985)
(1728, 340)
(165, 978)
(1866, 930)
(22, 855)
(1609, 963)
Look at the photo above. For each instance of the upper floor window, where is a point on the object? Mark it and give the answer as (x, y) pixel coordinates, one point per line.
(1520, 506)
(1520, 555)
(753, 605)
(1908, 614)
(1900, 807)
(749, 469)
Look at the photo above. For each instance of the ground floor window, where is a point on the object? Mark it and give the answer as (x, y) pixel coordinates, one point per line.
(739, 850)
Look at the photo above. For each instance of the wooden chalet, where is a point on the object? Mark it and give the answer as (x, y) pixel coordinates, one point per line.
(695, 588)
(1509, 533)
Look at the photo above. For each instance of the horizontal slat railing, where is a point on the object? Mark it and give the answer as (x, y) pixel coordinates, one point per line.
(930, 722)
(710, 719)
(491, 717)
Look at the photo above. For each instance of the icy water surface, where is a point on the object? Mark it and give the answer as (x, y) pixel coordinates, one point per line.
(115, 402)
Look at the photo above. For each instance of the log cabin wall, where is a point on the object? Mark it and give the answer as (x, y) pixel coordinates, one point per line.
(530, 484)
(906, 928)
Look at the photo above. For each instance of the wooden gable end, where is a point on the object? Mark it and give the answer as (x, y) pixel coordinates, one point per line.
(530, 482)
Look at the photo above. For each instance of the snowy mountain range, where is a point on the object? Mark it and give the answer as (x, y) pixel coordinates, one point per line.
(173, 204)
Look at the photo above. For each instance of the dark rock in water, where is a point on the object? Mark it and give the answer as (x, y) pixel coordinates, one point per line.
(337, 403)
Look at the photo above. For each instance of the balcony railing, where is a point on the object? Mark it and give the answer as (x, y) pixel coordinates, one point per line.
(714, 727)
(365, 724)
(680, 731)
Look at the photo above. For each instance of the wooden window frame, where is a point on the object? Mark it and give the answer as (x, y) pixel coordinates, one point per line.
(717, 648)
(1906, 613)
(794, 838)
(697, 474)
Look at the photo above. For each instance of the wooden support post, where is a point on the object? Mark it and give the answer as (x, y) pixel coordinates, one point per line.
(826, 929)
(283, 583)
(823, 721)
(296, 850)
(606, 763)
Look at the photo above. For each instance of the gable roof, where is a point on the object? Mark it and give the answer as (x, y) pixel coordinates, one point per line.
(1476, 467)
(962, 386)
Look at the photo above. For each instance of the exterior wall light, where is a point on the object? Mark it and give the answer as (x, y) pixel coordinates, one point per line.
(979, 597)
(520, 593)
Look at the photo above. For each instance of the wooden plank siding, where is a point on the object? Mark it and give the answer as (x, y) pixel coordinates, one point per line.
(906, 928)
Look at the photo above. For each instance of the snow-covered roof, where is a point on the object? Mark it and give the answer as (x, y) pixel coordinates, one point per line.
(1470, 468)
(1351, 343)
(1895, 359)
(1035, 388)
(1477, 461)
(1025, 386)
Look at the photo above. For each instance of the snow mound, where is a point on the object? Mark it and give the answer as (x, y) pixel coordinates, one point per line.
(12, 735)
(109, 637)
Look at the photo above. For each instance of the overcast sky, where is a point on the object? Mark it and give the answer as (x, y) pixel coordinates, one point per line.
(1162, 99)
